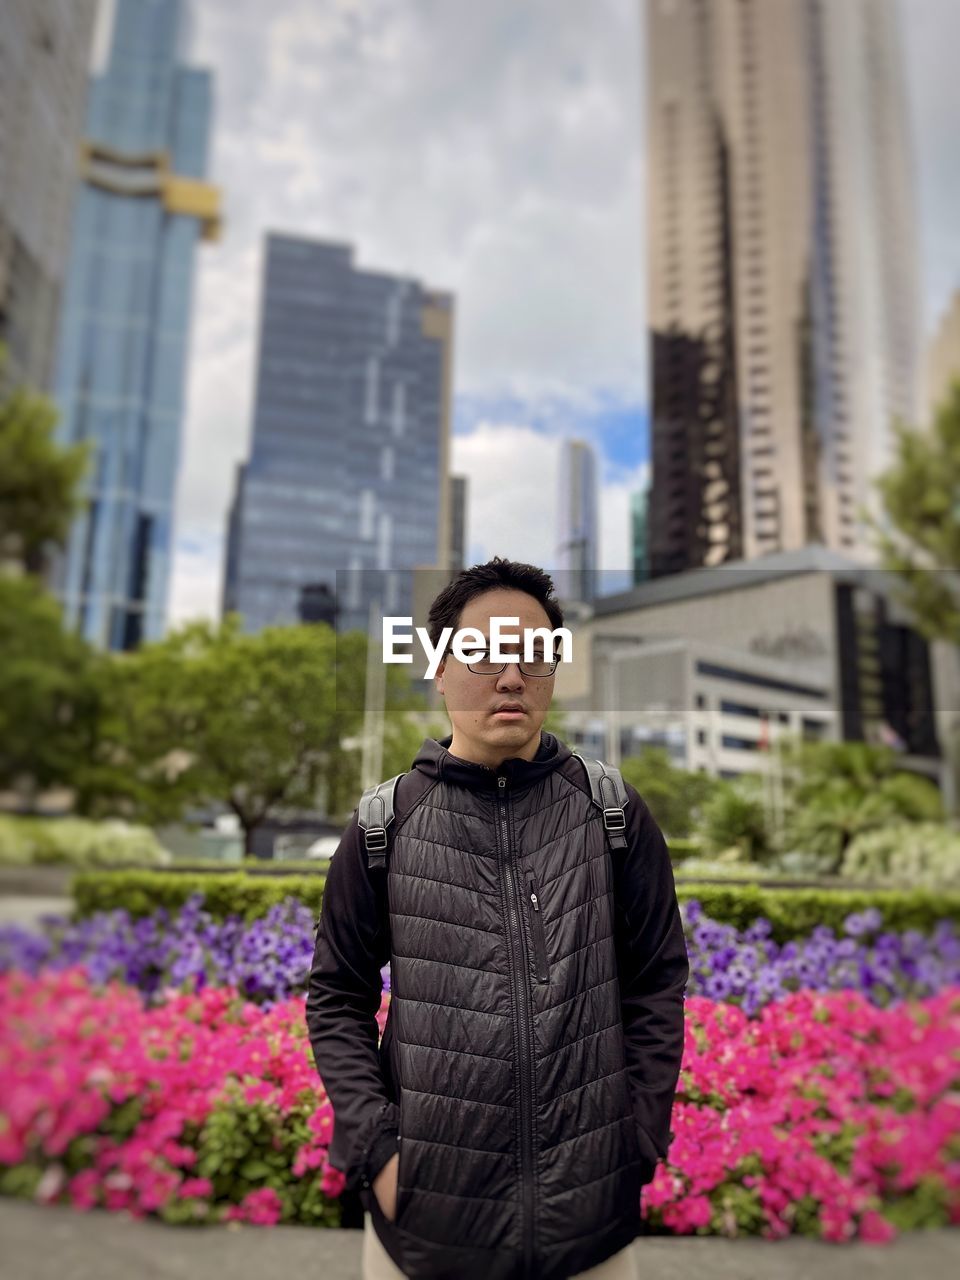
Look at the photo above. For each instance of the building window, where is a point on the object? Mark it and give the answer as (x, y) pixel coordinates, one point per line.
(384, 541)
(394, 303)
(739, 709)
(366, 513)
(398, 419)
(373, 388)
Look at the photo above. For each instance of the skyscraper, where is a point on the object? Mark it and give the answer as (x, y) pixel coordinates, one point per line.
(578, 542)
(783, 295)
(141, 210)
(639, 500)
(348, 466)
(44, 57)
(458, 522)
(942, 363)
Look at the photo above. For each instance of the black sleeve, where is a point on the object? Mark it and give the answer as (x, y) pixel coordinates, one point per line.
(654, 968)
(343, 997)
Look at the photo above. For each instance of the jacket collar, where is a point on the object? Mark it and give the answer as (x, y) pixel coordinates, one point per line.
(434, 759)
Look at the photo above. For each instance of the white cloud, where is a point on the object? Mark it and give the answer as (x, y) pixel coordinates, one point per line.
(490, 149)
(494, 149)
(197, 570)
(616, 537)
(513, 499)
(512, 473)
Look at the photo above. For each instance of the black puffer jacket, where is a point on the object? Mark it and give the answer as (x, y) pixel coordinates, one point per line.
(531, 1053)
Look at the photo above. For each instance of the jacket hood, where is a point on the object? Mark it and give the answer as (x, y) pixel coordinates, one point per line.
(434, 759)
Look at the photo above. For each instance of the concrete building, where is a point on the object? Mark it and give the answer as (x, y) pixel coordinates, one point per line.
(716, 663)
(578, 532)
(45, 48)
(347, 483)
(942, 364)
(142, 209)
(783, 281)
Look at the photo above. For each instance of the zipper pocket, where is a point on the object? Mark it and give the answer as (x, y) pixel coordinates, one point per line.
(536, 926)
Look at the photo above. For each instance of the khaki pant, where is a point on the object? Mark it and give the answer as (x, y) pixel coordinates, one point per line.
(378, 1265)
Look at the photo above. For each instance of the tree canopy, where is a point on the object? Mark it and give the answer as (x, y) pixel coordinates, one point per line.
(39, 478)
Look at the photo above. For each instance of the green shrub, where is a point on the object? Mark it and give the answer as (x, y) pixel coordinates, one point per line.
(795, 913)
(225, 893)
(17, 842)
(683, 848)
(734, 816)
(77, 842)
(921, 853)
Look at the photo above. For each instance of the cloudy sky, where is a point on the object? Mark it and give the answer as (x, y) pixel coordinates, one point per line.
(494, 149)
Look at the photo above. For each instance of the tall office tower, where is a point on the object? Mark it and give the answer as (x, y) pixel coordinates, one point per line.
(458, 522)
(348, 466)
(783, 295)
(942, 364)
(142, 207)
(639, 503)
(578, 542)
(44, 58)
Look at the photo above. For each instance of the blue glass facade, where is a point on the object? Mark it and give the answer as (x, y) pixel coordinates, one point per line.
(347, 469)
(141, 207)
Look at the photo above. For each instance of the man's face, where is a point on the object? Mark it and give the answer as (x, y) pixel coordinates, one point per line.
(482, 730)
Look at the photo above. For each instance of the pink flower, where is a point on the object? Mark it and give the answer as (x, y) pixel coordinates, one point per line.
(823, 1099)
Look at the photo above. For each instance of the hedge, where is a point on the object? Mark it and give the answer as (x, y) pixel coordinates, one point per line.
(226, 893)
(793, 913)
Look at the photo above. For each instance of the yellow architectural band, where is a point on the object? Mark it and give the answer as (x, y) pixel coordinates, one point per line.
(196, 199)
(149, 175)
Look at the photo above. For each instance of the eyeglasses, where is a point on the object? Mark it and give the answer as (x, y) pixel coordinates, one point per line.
(539, 667)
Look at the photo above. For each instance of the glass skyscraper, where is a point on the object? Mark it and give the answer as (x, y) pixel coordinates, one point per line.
(141, 208)
(348, 466)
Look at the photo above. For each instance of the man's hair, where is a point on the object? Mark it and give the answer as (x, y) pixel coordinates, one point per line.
(496, 573)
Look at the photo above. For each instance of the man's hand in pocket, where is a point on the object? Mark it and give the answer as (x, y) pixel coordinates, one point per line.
(385, 1187)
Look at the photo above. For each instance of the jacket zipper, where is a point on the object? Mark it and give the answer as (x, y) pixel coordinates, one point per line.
(536, 926)
(519, 973)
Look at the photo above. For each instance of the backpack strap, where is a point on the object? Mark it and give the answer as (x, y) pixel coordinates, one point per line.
(609, 795)
(374, 814)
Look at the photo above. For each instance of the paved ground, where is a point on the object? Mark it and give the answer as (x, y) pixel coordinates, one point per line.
(23, 910)
(62, 1244)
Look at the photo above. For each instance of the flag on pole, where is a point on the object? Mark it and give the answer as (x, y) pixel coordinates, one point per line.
(889, 736)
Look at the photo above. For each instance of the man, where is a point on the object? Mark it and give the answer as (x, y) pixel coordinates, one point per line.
(522, 1093)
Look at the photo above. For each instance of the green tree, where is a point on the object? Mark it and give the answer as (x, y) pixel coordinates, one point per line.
(210, 714)
(734, 815)
(835, 790)
(255, 722)
(50, 691)
(921, 498)
(674, 796)
(39, 479)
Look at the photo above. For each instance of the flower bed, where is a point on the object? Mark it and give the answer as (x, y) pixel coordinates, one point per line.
(747, 968)
(268, 959)
(202, 1108)
(825, 1115)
